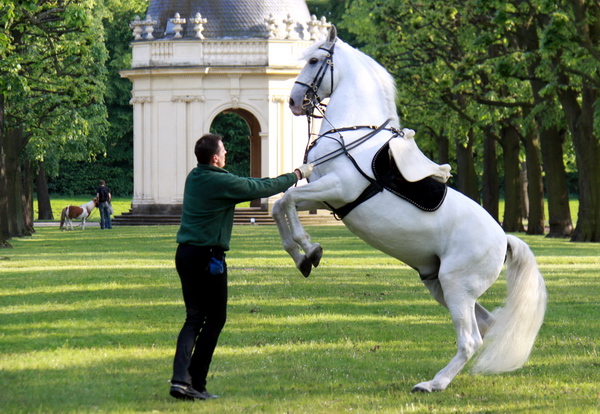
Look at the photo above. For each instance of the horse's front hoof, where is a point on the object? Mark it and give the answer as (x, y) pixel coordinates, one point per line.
(305, 266)
(315, 254)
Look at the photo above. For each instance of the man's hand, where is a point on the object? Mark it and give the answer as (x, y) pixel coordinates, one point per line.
(305, 170)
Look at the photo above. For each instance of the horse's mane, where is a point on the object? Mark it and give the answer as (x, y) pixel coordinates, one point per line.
(387, 82)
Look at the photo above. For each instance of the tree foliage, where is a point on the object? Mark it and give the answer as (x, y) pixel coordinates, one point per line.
(52, 84)
(236, 134)
(114, 163)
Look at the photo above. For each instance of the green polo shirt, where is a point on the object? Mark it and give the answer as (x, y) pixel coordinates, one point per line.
(209, 201)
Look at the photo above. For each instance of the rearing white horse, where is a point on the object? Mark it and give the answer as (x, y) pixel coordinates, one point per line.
(457, 248)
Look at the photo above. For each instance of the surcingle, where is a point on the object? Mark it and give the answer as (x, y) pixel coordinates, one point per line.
(412, 163)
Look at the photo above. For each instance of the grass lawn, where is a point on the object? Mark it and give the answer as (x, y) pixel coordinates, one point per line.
(89, 319)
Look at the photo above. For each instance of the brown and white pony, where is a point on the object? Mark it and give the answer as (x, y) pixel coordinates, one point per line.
(71, 213)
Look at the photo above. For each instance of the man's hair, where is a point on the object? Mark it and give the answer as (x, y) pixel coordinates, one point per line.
(206, 147)
(102, 182)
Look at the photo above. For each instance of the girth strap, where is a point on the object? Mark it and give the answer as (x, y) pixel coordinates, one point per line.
(373, 189)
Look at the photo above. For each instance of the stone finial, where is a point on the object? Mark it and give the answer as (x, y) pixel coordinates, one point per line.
(314, 27)
(324, 26)
(271, 26)
(290, 33)
(149, 26)
(136, 24)
(177, 22)
(199, 23)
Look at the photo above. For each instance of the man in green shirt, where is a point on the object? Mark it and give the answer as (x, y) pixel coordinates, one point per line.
(210, 196)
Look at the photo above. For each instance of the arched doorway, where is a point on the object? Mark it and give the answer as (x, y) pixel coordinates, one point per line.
(244, 160)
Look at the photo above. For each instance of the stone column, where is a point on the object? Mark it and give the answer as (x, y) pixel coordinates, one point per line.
(148, 153)
(139, 146)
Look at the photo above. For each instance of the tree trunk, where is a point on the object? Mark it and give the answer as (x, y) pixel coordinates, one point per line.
(512, 195)
(491, 191)
(13, 146)
(467, 176)
(587, 150)
(535, 185)
(443, 154)
(27, 198)
(550, 137)
(524, 184)
(43, 198)
(13, 178)
(4, 229)
(557, 190)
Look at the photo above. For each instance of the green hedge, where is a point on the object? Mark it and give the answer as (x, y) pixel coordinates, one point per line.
(83, 177)
(77, 178)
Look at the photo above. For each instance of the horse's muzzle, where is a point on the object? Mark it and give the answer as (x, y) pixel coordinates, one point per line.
(298, 109)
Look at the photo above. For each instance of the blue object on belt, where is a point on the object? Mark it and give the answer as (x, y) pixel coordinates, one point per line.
(216, 266)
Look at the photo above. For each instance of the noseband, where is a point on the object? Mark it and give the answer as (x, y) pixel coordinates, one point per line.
(311, 97)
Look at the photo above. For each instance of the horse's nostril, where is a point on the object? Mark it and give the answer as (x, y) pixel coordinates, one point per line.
(291, 102)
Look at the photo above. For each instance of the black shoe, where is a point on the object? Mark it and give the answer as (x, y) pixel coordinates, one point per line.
(208, 396)
(186, 392)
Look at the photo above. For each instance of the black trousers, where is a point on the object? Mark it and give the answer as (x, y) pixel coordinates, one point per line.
(205, 297)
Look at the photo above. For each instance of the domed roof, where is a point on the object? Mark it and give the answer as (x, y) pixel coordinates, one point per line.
(226, 18)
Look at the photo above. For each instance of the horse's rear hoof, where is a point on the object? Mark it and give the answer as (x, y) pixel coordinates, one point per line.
(315, 255)
(305, 267)
(419, 389)
(427, 386)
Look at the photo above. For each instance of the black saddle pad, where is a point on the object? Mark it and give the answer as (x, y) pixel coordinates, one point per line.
(427, 194)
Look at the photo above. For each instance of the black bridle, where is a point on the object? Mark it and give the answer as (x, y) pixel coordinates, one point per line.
(311, 97)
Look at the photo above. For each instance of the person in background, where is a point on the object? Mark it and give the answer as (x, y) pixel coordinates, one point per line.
(210, 196)
(104, 198)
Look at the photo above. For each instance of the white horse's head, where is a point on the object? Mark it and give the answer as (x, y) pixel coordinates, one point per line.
(355, 82)
(315, 81)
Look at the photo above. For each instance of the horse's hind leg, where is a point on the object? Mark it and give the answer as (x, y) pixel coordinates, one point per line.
(484, 318)
(462, 308)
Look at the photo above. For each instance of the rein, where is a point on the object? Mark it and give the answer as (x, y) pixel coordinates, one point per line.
(345, 148)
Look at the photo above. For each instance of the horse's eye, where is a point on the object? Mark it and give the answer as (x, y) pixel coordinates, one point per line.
(313, 60)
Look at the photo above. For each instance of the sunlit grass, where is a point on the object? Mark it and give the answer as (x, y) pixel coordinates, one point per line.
(88, 323)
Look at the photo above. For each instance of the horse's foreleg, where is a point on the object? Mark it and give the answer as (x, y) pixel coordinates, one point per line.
(304, 262)
(312, 251)
(288, 242)
(292, 232)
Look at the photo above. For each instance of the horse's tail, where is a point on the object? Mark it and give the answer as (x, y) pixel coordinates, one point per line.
(63, 215)
(508, 343)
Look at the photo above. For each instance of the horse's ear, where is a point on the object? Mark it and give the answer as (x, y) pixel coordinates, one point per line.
(332, 35)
